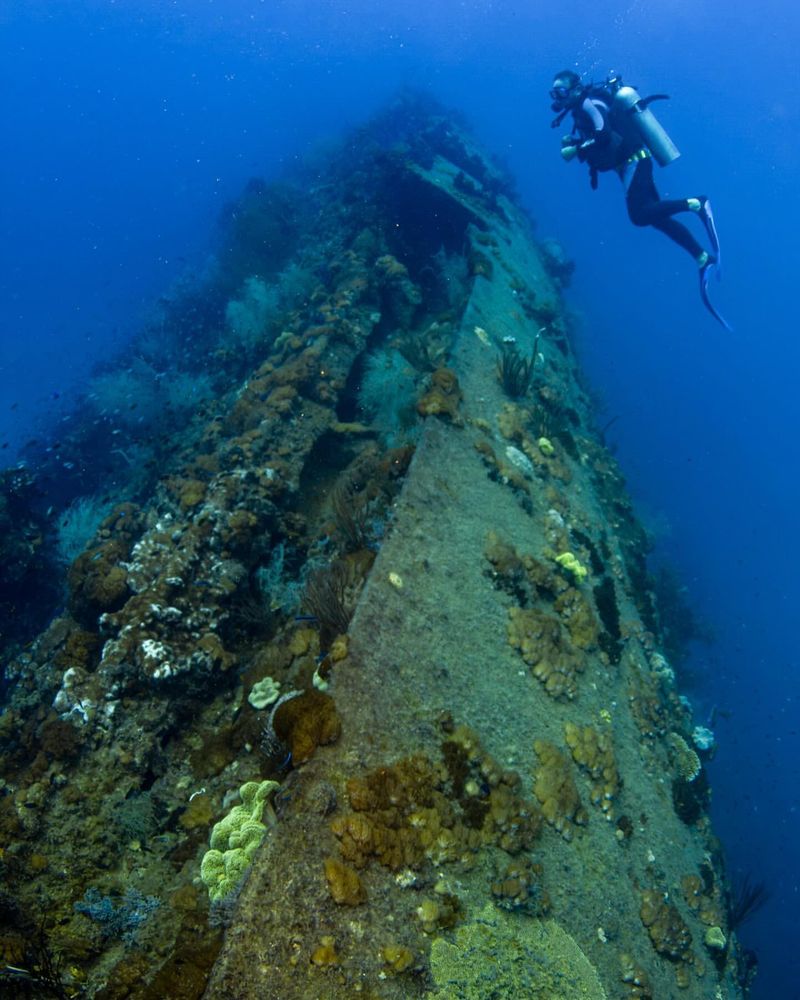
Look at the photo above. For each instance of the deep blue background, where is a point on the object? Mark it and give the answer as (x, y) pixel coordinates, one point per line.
(126, 126)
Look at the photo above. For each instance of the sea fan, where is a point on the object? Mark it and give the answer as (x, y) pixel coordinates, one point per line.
(387, 395)
(78, 524)
(249, 318)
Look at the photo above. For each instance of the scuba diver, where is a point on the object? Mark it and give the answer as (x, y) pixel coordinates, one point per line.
(614, 129)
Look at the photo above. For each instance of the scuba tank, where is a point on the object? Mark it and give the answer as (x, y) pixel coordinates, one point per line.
(631, 107)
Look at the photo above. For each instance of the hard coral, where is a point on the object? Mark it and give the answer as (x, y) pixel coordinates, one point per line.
(398, 814)
(189, 492)
(305, 722)
(415, 811)
(59, 739)
(687, 763)
(97, 582)
(488, 796)
(576, 613)
(397, 957)
(555, 788)
(703, 897)
(235, 840)
(344, 883)
(497, 955)
(81, 649)
(513, 421)
(441, 913)
(325, 953)
(593, 751)
(636, 978)
(668, 932)
(545, 647)
(570, 562)
(443, 397)
(401, 297)
(519, 889)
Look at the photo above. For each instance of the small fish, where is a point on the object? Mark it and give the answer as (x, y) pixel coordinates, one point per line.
(17, 973)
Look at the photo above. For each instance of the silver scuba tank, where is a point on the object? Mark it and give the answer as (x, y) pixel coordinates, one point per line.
(631, 104)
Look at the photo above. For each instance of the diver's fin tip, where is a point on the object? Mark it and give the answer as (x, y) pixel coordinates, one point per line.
(704, 274)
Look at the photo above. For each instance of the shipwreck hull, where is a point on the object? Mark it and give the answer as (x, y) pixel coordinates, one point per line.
(403, 514)
(430, 651)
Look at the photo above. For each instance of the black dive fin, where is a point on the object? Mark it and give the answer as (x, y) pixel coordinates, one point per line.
(704, 275)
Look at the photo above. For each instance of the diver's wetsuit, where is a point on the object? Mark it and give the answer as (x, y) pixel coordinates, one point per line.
(609, 151)
(647, 208)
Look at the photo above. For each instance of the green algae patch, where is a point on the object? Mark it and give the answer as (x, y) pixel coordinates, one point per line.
(498, 955)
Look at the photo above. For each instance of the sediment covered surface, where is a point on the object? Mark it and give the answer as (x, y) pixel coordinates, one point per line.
(402, 514)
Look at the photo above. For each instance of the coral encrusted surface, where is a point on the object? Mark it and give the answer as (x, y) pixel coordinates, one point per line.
(380, 613)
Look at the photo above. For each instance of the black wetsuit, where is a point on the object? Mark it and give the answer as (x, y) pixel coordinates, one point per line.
(608, 150)
(647, 208)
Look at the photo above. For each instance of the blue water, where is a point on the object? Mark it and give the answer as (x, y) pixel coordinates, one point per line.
(128, 125)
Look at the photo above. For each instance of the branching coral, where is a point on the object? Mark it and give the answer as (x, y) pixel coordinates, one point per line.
(686, 761)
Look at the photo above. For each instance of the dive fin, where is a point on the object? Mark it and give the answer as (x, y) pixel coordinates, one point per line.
(708, 221)
(705, 271)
